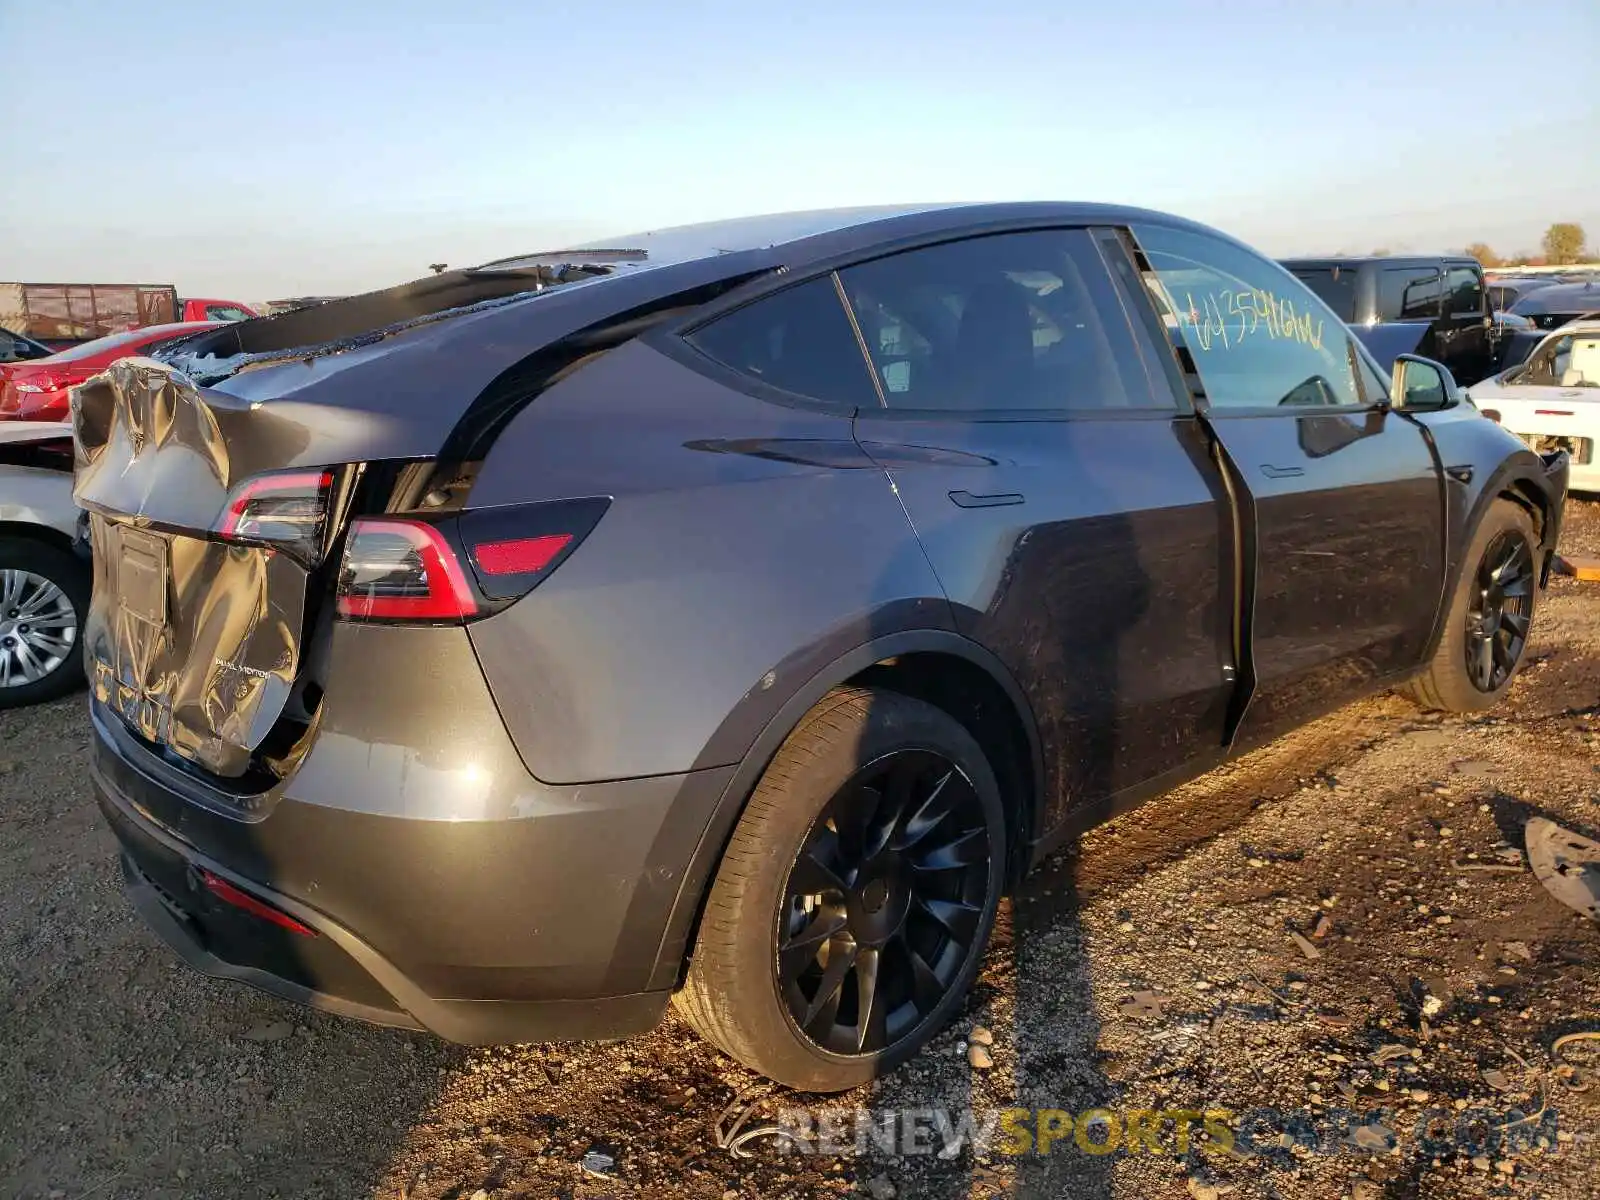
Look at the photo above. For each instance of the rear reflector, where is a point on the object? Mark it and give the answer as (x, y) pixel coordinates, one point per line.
(519, 556)
(285, 510)
(239, 898)
(400, 570)
(512, 548)
(1552, 412)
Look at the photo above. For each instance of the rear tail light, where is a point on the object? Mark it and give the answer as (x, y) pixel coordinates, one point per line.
(285, 510)
(35, 398)
(400, 570)
(1492, 413)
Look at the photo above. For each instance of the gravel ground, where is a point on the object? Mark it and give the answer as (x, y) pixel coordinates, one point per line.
(1337, 924)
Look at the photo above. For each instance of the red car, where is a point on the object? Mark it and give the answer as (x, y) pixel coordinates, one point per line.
(215, 310)
(36, 390)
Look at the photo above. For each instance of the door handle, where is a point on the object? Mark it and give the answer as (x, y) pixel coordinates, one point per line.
(968, 499)
(1272, 472)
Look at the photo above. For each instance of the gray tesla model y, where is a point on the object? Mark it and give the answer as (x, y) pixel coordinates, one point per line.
(732, 613)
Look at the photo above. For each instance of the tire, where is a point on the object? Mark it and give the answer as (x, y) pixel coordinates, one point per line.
(1449, 682)
(864, 768)
(24, 566)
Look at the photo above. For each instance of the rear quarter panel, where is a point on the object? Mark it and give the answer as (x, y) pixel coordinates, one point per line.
(749, 544)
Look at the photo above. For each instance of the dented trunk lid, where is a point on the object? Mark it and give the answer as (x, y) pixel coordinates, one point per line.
(194, 641)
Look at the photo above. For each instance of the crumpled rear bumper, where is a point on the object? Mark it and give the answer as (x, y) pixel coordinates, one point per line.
(335, 970)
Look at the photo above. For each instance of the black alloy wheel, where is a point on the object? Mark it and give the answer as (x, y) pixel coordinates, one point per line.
(884, 903)
(1499, 612)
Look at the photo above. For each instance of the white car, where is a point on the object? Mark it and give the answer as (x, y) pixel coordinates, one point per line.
(44, 575)
(1551, 400)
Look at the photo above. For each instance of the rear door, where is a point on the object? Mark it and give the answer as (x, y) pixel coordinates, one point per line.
(1344, 524)
(1066, 501)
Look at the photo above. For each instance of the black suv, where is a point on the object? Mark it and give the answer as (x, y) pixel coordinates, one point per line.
(1433, 306)
(733, 613)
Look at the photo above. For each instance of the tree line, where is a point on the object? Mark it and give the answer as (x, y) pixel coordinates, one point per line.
(1563, 243)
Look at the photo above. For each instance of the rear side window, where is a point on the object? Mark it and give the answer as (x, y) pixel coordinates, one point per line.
(1334, 286)
(1409, 293)
(798, 340)
(1007, 323)
(1464, 286)
(226, 312)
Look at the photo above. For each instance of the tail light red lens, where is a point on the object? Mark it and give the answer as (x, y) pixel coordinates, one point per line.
(519, 556)
(400, 570)
(34, 398)
(513, 548)
(285, 510)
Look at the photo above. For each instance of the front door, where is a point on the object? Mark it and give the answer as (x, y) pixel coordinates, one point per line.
(1068, 505)
(1343, 506)
(1463, 338)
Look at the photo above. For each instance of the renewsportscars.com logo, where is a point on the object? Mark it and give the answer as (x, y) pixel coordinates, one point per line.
(1172, 1131)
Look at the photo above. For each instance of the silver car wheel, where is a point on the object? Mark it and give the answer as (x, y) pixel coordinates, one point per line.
(38, 627)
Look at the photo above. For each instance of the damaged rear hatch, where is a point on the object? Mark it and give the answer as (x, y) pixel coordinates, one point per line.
(203, 567)
(219, 478)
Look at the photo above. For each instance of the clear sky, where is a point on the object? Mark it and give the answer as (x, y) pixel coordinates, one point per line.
(277, 147)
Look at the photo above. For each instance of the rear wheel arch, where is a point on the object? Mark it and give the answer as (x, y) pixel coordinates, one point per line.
(998, 719)
(928, 664)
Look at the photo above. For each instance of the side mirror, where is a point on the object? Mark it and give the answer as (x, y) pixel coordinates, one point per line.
(1422, 385)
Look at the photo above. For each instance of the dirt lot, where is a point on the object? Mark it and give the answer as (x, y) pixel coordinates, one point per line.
(1156, 968)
